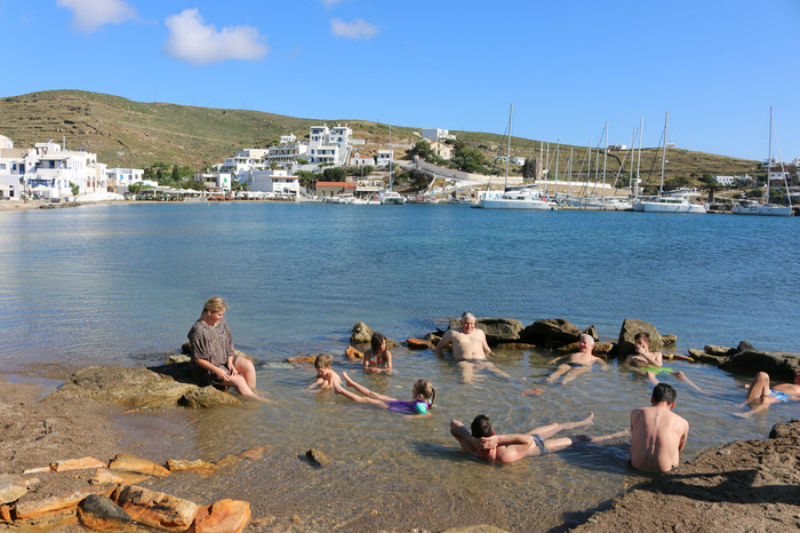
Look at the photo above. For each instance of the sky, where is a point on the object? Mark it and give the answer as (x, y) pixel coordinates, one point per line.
(716, 66)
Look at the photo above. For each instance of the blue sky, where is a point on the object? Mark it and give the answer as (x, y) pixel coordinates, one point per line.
(715, 66)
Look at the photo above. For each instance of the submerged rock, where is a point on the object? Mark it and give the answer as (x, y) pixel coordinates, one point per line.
(130, 463)
(302, 359)
(353, 354)
(317, 457)
(224, 516)
(155, 508)
(99, 512)
(361, 334)
(209, 396)
(197, 465)
(779, 365)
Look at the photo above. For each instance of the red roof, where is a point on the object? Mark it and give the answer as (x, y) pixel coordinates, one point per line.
(342, 184)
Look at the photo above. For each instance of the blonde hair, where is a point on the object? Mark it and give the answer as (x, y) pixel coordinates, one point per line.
(424, 387)
(214, 304)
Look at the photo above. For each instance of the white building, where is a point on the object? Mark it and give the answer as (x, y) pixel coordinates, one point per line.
(121, 178)
(6, 142)
(215, 180)
(384, 158)
(275, 182)
(287, 153)
(57, 171)
(436, 134)
(725, 181)
(357, 160)
(329, 146)
(245, 161)
(14, 164)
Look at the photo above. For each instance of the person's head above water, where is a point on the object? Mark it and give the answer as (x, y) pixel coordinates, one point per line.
(663, 393)
(467, 322)
(377, 341)
(588, 339)
(481, 427)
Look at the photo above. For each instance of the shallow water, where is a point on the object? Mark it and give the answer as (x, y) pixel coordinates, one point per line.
(123, 284)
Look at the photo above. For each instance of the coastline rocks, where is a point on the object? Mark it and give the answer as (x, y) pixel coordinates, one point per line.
(302, 359)
(130, 463)
(177, 358)
(208, 396)
(12, 488)
(155, 508)
(224, 516)
(76, 464)
(198, 465)
(362, 334)
(419, 344)
(630, 327)
(497, 330)
(744, 359)
(353, 354)
(116, 477)
(551, 332)
(32, 509)
(100, 513)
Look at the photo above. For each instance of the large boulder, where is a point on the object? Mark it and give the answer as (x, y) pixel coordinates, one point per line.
(497, 330)
(205, 397)
(551, 332)
(362, 335)
(630, 328)
(779, 365)
(133, 387)
(155, 509)
(12, 487)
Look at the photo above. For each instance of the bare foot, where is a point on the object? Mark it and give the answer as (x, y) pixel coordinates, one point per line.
(547, 379)
(601, 438)
(589, 419)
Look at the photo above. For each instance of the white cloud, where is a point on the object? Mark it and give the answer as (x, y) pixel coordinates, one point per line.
(89, 15)
(190, 39)
(358, 29)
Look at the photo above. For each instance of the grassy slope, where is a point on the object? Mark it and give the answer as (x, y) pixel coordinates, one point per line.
(127, 133)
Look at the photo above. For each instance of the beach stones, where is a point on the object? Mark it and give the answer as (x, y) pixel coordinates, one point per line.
(198, 465)
(419, 344)
(155, 509)
(100, 513)
(12, 487)
(130, 463)
(224, 516)
(551, 332)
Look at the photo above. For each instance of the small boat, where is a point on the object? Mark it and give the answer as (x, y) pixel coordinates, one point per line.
(752, 207)
(390, 197)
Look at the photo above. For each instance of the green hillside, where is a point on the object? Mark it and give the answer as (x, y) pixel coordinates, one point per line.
(127, 133)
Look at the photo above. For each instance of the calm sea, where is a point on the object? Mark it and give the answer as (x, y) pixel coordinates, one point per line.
(122, 284)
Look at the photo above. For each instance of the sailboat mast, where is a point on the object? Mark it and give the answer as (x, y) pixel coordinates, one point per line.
(605, 161)
(769, 156)
(633, 143)
(639, 159)
(508, 151)
(663, 154)
(391, 169)
(558, 151)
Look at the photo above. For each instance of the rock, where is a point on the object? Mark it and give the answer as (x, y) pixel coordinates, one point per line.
(515, 346)
(302, 359)
(117, 477)
(5, 513)
(779, 365)
(420, 344)
(603, 349)
(155, 508)
(12, 488)
(197, 465)
(592, 332)
(129, 463)
(31, 509)
(694, 352)
(551, 332)
(228, 460)
(745, 346)
(100, 513)
(784, 430)
(669, 340)
(497, 330)
(37, 470)
(317, 457)
(481, 528)
(254, 454)
(361, 334)
(630, 327)
(433, 338)
(719, 351)
(178, 358)
(77, 464)
(186, 348)
(206, 397)
(224, 516)
(134, 387)
(681, 357)
(703, 357)
(353, 354)
(244, 355)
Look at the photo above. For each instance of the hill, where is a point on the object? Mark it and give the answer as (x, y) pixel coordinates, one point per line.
(127, 133)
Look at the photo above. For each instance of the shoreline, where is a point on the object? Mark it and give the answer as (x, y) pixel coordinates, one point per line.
(742, 485)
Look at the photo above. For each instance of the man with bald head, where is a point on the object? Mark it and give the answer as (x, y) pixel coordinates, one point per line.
(469, 349)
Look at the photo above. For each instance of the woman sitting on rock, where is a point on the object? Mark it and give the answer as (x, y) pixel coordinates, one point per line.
(213, 359)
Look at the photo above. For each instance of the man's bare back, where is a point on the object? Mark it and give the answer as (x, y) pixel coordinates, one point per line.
(657, 434)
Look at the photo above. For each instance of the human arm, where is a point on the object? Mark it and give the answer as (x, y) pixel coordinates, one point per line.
(366, 359)
(460, 433)
(557, 359)
(487, 443)
(317, 384)
(444, 342)
(223, 376)
(484, 344)
(684, 435)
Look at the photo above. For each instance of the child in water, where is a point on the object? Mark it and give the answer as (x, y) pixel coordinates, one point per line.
(378, 358)
(326, 377)
(424, 395)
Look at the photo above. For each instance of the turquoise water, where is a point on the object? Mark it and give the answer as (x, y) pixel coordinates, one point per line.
(122, 284)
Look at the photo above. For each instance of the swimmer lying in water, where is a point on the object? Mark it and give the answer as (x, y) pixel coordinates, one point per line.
(652, 363)
(424, 395)
(760, 396)
(575, 364)
(482, 441)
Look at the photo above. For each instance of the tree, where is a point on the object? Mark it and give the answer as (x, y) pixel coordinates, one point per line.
(75, 189)
(469, 159)
(176, 177)
(422, 149)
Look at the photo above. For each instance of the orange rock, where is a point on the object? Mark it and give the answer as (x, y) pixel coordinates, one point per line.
(37, 470)
(155, 508)
(224, 516)
(191, 466)
(5, 513)
(104, 475)
(30, 509)
(77, 464)
(302, 359)
(227, 461)
(419, 344)
(353, 354)
(129, 463)
(254, 454)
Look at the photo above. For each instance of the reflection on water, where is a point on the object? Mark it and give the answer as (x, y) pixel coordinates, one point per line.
(123, 284)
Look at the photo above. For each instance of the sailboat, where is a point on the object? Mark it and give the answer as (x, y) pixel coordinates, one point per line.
(529, 197)
(388, 196)
(675, 202)
(751, 207)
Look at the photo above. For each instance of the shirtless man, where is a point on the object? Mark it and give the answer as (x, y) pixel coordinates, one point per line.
(482, 441)
(760, 396)
(575, 364)
(469, 349)
(657, 434)
(652, 363)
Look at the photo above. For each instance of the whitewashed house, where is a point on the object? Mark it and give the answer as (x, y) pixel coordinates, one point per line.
(329, 146)
(120, 179)
(244, 162)
(436, 134)
(56, 171)
(357, 160)
(277, 182)
(725, 181)
(286, 153)
(6, 142)
(215, 181)
(384, 158)
(14, 164)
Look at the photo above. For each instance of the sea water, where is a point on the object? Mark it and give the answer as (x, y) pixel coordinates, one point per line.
(122, 284)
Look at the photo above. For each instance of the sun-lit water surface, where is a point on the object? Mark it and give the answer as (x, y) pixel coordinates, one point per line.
(123, 284)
